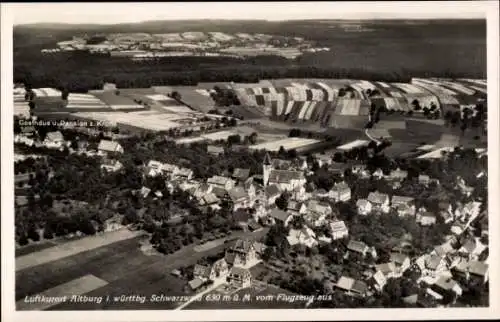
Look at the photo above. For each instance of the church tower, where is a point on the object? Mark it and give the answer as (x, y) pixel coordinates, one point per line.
(267, 167)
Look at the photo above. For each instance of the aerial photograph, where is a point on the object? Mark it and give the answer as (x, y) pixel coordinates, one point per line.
(249, 163)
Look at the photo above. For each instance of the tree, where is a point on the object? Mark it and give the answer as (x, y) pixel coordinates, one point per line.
(282, 201)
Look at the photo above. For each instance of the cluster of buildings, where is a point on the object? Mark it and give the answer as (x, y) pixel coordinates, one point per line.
(194, 43)
(232, 269)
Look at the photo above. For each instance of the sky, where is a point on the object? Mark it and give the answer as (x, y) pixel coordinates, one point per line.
(112, 13)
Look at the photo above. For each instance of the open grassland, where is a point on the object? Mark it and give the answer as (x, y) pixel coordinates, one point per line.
(72, 248)
(75, 287)
(126, 269)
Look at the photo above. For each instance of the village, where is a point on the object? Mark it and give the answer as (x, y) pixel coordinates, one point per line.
(356, 242)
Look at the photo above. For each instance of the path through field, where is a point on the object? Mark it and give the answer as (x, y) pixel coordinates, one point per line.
(73, 247)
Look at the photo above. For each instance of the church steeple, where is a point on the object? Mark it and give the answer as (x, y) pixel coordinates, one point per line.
(266, 169)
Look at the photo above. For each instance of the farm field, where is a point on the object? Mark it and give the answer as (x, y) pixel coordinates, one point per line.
(124, 267)
(287, 144)
(72, 248)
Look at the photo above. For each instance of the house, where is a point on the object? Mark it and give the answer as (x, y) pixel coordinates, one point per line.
(397, 175)
(54, 140)
(111, 165)
(215, 150)
(388, 270)
(424, 179)
(464, 188)
(242, 254)
(447, 216)
(209, 200)
(304, 236)
(184, 174)
(405, 206)
(444, 249)
(219, 270)
(445, 285)
(431, 265)
(364, 207)
(360, 248)
(378, 281)
(472, 249)
(106, 146)
(360, 170)
(352, 287)
(315, 206)
(401, 262)
(322, 159)
(296, 208)
(378, 174)
(169, 169)
(272, 192)
(300, 193)
(239, 198)
(154, 168)
(143, 192)
(239, 277)
(341, 192)
(277, 215)
(241, 175)
(380, 201)
(458, 227)
(281, 164)
(202, 190)
(426, 219)
(249, 187)
(478, 270)
(338, 230)
(221, 182)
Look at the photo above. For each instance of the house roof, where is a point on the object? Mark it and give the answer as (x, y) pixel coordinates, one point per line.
(478, 268)
(108, 146)
(386, 268)
(213, 149)
(230, 258)
(169, 167)
(360, 287)
(339, 186)
(445, 283)
(243, 246)
(319, 207)
(154, 164)
(54, 136)
(241, 215)
(377, 197)
(218, 180)
(294, 205)
(398, 258)
(210, 199)
(219, 192)
(443, 249)
(241, 272)
(279, 214)
(281, 164)
(241, 174)
(362, 203)
(201, 271)
(432, 262)
(357, 246)
(468, 246)
(236, 194)
(195, 283)
(345, 283)
(337, 226)
(401, 200)
(285, 176)
(272, 190)
(379, 278)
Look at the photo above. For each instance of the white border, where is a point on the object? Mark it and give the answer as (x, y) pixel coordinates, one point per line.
(410, 9)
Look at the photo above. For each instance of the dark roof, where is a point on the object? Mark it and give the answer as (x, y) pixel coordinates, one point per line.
(241, 174)
(237, 194)
(357, 246)
(272, 190)
(242, 246)
(360, 287)
(212, 149)
(219, 192)
(201, 271)
(267, 159)
(241, 215)
(241, 272)
(279, 214)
